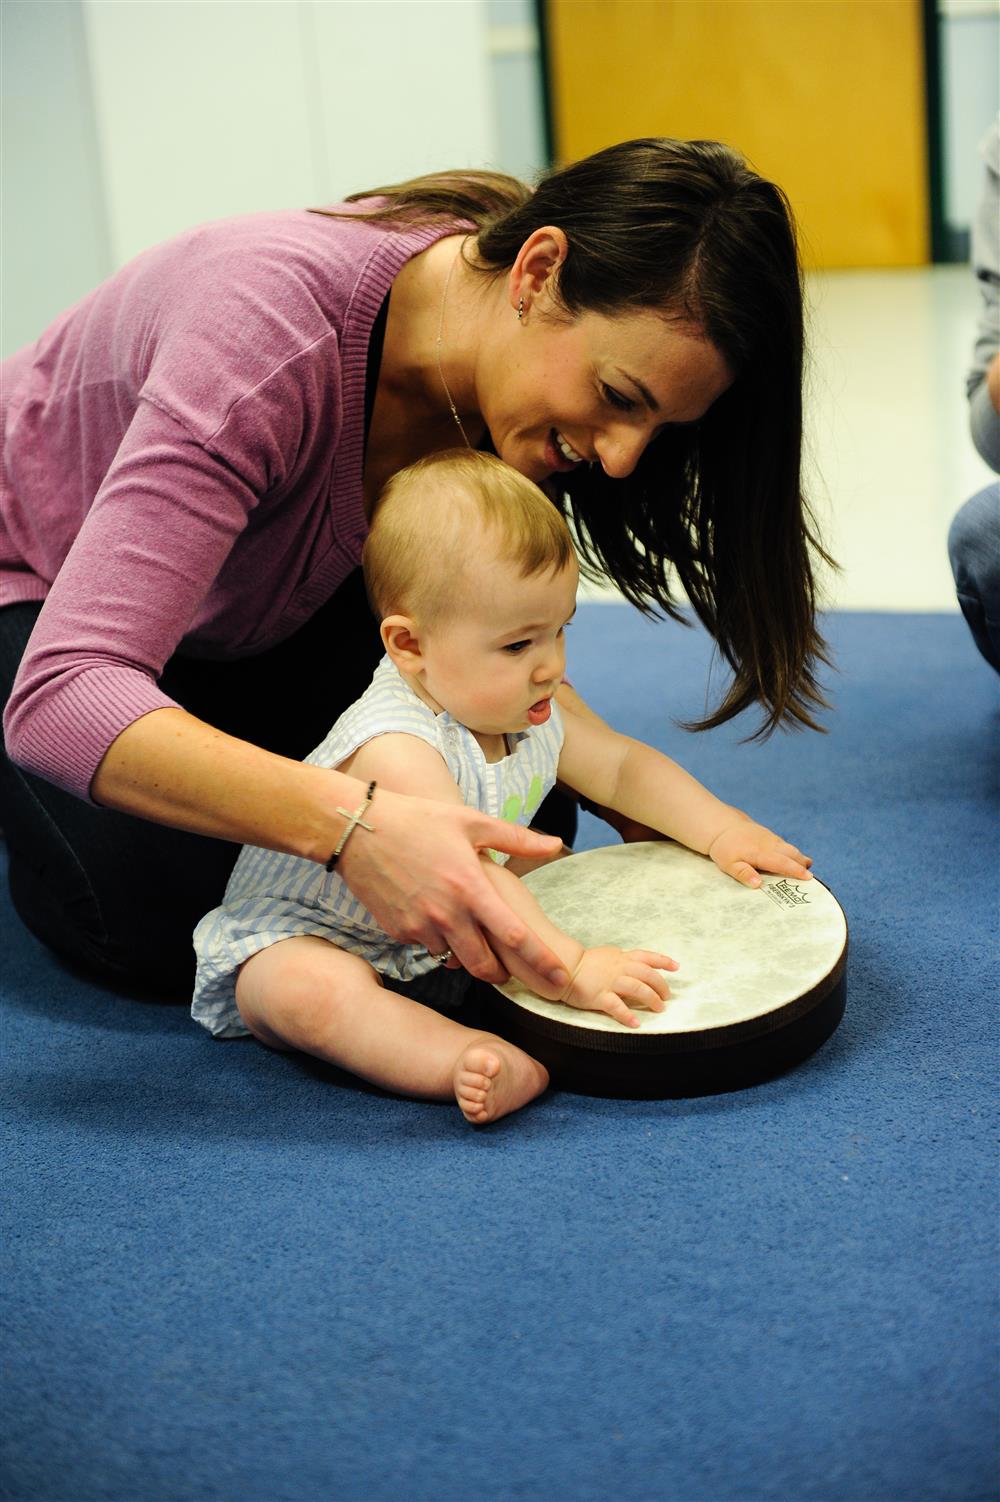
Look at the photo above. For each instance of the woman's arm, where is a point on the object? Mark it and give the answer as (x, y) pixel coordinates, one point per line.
(419, 873)
(175, 769)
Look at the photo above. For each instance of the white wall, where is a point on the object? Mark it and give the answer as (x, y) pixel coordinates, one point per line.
(969, 33)
(128, 120)
(518, 86)
(206, 110)
(54, 229)
(201, 112)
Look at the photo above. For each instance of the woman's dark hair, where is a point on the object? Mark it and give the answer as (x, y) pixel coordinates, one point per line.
(687, 229)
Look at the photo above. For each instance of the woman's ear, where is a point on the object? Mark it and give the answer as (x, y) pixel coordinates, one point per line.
(535, 272)
(400, 641)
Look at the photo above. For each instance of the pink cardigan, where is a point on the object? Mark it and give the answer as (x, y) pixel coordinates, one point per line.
(182, 466)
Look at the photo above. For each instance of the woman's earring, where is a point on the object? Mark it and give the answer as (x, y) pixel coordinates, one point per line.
(520, 310)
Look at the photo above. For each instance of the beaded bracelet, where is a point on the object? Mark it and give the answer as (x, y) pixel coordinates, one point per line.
(354, 820)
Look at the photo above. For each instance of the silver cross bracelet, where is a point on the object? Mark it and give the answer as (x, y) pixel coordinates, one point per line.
(353, 821)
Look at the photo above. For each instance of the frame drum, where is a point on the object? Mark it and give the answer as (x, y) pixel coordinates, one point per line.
(761, 985)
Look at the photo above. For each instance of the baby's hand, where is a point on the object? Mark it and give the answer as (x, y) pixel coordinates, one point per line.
(744, 848)
(605, 977)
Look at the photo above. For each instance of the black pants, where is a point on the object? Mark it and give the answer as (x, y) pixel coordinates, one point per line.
(119, 896)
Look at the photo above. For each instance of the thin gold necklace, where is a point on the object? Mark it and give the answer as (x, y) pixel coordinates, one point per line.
(437, 350)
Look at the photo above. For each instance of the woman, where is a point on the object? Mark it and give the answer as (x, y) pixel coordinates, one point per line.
(192, 455)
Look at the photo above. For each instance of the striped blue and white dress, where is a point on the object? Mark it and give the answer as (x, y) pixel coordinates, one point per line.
(271, 896)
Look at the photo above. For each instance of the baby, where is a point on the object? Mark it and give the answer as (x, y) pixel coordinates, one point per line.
(473, 575)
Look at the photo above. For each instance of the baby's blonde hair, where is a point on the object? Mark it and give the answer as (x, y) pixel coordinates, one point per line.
(440, 512)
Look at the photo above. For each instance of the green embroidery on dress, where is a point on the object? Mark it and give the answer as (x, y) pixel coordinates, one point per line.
(511, 810)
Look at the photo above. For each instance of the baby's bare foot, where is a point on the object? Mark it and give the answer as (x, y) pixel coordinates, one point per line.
(493, 1078)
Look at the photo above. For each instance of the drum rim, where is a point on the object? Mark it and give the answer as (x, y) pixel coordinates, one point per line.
(690, 1040)
(589, 1039)
(738, 1065)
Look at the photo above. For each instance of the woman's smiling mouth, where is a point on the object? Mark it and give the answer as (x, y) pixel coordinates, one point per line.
(560, 453)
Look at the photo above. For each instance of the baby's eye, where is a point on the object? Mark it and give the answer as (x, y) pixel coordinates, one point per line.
(623, 403)
(516, 646)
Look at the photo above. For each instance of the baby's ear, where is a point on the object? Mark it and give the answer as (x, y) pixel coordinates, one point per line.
(399, 637)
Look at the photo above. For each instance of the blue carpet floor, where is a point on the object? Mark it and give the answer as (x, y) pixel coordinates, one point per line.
(236, 1276)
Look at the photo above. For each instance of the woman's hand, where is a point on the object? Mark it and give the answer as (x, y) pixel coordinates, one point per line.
(420, 875)
(607, 978)
(744, 848)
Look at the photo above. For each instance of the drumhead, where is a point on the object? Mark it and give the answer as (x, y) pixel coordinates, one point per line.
(761, 981)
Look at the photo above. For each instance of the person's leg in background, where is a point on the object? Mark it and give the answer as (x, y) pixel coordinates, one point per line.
(974, 550)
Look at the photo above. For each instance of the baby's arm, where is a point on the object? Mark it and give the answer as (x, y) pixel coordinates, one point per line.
(629, 829)
(645, 785)
(603, 979)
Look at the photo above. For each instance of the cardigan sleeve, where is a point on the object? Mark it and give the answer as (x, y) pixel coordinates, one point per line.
(236, 421)
(154, 541)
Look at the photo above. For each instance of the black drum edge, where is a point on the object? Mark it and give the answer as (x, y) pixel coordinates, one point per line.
(645, 1044)
(706, 1066)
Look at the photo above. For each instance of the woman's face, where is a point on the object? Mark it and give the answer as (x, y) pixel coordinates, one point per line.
(556, 393)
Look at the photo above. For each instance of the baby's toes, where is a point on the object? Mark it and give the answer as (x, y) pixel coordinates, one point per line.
(473, 1083)
(473, 1088)
(493, 1078)
(476, 1111)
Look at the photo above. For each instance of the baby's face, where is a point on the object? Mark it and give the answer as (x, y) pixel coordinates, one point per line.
(496, 662)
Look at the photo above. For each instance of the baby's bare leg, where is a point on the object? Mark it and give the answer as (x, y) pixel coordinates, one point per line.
(305, 993)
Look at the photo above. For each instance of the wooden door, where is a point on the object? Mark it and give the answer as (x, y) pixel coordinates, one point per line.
(824, 96)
